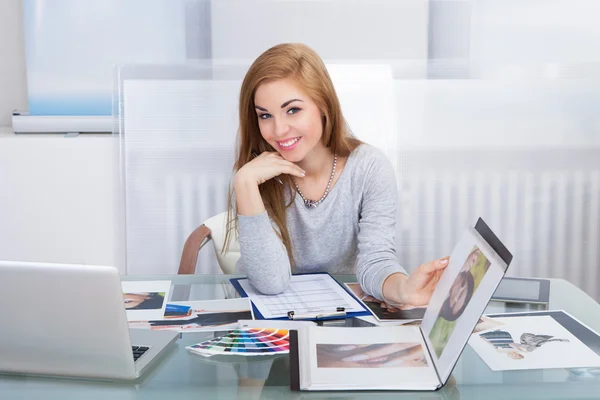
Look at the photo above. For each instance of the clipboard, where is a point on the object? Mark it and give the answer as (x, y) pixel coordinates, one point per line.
(319, 316)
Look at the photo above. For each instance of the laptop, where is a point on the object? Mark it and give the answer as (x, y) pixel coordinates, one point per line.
(70, 320)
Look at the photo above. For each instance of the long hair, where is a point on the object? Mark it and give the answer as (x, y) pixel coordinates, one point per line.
(446, 311)
(301, 63)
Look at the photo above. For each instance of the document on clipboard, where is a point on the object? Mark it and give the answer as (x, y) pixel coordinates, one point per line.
(308, 296)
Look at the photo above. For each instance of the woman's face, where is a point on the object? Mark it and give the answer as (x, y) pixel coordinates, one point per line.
(470, 261)
(288, 119)
(458, 294)
(132, 300)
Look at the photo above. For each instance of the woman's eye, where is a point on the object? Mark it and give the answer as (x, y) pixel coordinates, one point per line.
(293, 110)
(264, 116)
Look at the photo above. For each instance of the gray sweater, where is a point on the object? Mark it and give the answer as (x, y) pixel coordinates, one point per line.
(351, 231)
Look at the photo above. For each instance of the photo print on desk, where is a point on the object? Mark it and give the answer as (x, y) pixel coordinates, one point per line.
(145, 300)
(464, 286)
(201, 316)
(536, 342)
(381, 355)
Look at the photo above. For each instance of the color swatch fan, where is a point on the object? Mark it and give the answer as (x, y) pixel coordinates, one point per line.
(246, 342)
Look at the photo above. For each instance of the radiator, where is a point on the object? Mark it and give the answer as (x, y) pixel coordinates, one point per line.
(548, 216)
(178, 151)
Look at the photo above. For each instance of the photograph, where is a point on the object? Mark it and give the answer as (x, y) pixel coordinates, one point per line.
(203, 320)
(464, 286)
(486, 323)
(144, 300)
(536, 342)
(209, 315)
(383, 311)
(385, 355)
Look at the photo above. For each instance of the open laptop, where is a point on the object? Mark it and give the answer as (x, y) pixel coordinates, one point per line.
(70, 320)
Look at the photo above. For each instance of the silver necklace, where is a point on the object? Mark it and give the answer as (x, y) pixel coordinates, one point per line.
(312, 203)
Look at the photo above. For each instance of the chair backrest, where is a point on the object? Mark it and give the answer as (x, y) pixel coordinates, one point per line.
(218, 228)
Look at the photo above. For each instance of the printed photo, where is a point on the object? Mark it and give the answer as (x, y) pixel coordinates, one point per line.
(384, 311)
(503, 342)
(465, 284)
(202, 320)
(485, 323)
(144, 300)
(209, 315)
(385, 355)
(532, 342)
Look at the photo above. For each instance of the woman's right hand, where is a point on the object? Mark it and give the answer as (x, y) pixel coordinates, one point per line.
(266, 166)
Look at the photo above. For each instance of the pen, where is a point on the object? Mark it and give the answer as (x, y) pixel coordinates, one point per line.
(255, 154)
(339, 312)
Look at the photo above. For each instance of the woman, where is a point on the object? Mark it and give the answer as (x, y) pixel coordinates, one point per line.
(307, 195)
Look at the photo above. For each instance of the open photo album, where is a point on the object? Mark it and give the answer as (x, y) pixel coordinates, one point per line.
(406, 357)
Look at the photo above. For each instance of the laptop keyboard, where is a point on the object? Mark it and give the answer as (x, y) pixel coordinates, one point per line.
(138, 351)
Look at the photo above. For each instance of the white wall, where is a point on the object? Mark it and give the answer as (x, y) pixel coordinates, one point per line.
(59, 199)
(58, 196)
(351, 30)
(13, 85)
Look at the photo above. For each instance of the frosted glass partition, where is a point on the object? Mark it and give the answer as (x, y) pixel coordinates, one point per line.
(523, 153)
(520, 152)
(178, 128)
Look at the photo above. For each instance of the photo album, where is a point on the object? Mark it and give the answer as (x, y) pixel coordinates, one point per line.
(406, 357)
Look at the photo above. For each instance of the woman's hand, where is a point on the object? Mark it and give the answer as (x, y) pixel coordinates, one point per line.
(417, 288)
(266, 166)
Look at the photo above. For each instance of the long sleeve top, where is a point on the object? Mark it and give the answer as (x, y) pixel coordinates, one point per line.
(351, 231)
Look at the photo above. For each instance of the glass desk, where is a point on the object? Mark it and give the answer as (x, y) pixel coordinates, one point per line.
(182, 375)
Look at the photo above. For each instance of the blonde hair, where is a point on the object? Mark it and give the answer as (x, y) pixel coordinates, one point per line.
(301, 63)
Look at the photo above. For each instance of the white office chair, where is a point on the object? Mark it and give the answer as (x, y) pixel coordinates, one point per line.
(213, 229)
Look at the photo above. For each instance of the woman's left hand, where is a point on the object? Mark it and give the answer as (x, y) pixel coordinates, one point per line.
(419, 286)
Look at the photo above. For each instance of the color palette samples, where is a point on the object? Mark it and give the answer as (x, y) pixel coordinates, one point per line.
(246, 342)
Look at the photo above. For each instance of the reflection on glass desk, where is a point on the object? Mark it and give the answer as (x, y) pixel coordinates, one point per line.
(181, 374)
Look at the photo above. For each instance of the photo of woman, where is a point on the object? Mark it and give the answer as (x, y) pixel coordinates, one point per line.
(144, 300)
(464, 286)
(385, 355)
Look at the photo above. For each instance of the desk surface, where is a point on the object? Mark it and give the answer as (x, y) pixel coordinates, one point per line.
(181, 375)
